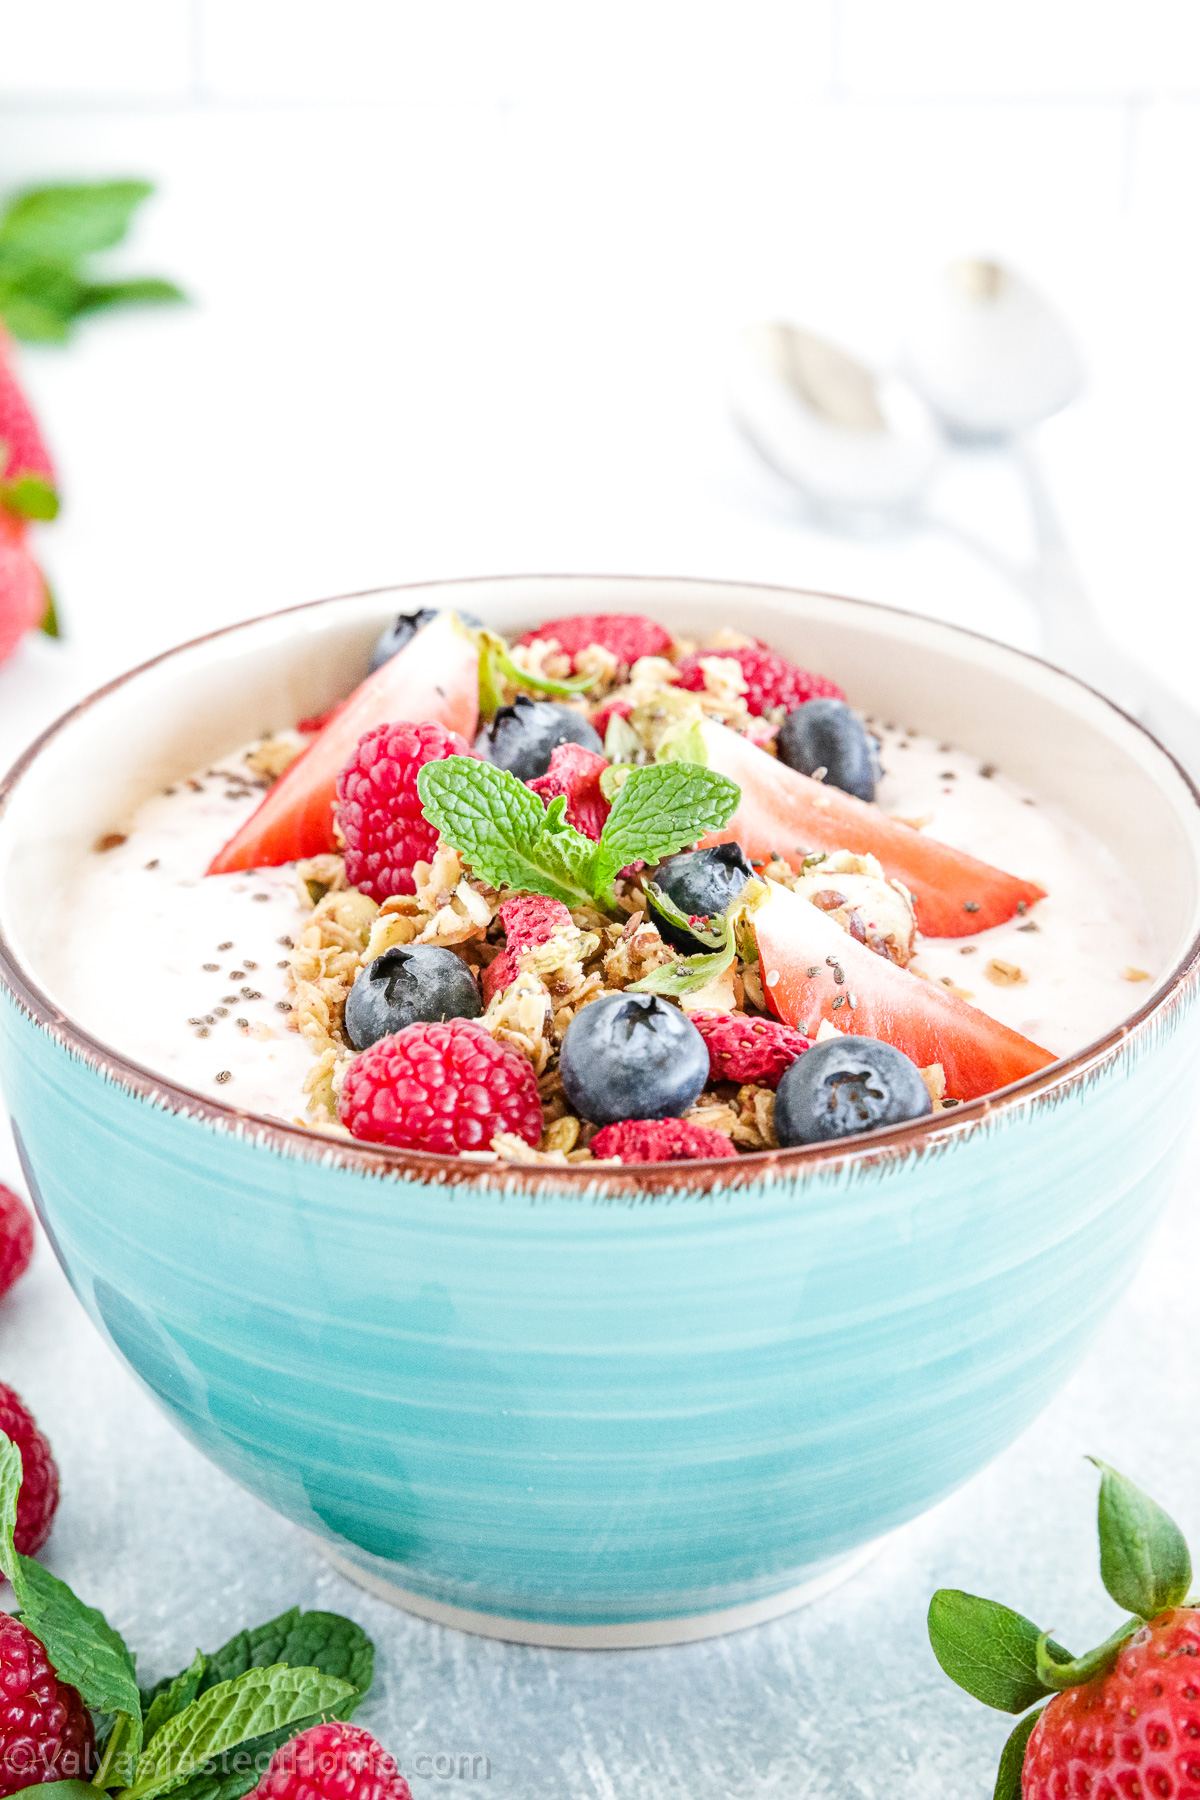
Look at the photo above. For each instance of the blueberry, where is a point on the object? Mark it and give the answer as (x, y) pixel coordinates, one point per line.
(404, 985)
(523, 736)
(632, 1056)
(702, 883)
(828, 734)
(844, 1086)
(403, 629)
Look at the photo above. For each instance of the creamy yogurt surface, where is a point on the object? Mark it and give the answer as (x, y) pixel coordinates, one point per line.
(186, 974)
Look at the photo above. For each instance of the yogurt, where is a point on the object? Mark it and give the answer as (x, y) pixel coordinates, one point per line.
(186, 974)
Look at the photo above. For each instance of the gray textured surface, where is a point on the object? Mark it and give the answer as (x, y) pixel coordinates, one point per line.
(842, 1700)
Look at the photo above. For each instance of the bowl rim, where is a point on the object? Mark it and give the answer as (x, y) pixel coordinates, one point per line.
(931, 1132)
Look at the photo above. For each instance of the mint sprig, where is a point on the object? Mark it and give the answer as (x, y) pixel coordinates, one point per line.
(510, 839)
(249, 1697)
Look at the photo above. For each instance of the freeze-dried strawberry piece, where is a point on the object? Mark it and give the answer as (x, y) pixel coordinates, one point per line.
(660, 1140)
(576, 773)
(745, 1049)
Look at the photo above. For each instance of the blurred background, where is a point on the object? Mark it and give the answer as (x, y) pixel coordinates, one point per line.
(464, 280)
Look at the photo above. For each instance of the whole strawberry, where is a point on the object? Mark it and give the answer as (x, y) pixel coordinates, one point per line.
(332, 1762)
(1122, 1720)
(16, 1238)
(379, 810)
(45, 1729)
(38, 1499)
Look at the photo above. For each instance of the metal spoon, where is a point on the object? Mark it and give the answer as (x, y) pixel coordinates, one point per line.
(993, 360)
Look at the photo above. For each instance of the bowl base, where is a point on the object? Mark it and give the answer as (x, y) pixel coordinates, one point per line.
(632, 1634)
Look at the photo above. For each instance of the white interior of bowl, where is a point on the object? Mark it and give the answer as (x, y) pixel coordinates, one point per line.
(1045, 730)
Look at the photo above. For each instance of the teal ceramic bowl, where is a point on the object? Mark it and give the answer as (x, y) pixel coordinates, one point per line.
(600, 1408)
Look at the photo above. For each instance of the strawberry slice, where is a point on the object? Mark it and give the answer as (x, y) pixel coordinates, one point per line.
(435, 676)
(26, 471)
(787, 813)
(802, 954)
(22, 589)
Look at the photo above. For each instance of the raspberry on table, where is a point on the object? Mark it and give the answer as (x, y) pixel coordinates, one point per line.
(379, 809)
(37, 1501)
(45, 1729)
(627, 636)
(745, 1049)
(332, 1762)
(575, 772)
(770, 681)
(441, 1087)
(530, 920)
(16, 1238)
(660, 1140)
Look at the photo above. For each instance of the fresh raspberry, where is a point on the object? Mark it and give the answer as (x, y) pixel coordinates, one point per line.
(770, 681)
(531, 920)
(16, 1238)
(1132, 1731)
(745, 1049)
(443, 1087)
(660, 1140)
(332, 1762)
(379, 810)
(37, 1502)
(576, 773)
(45, 1729)
(626, 635)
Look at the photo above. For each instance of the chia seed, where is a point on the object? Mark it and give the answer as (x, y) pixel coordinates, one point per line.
(212, 968)
(970, 906)
(152, 864)
(225, 1075)
(228, 946)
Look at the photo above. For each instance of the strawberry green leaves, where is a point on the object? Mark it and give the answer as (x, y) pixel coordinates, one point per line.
(1144, 1560)
(256, 1702)
(46, 236)
(511, 840)
(988, 1649)
(1012, 1758)
(1003, 1659)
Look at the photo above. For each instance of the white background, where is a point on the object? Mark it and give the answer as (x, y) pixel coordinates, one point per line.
(464, 277)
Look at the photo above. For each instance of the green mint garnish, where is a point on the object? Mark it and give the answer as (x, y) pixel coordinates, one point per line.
(511, 840)
(690, 973)
(496, 667)
(190, 1724)
(80, 1642)
(260, 1701)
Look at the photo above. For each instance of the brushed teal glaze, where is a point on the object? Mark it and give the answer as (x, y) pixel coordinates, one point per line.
(583, 1411)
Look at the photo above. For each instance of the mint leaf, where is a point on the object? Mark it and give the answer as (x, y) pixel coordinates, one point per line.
(325, 1641)
(988, 1649)
(657, 811)
(173, 1696)
(11, 1473)
(688, 974)
(256, 1702)
(60, 1790)
(503, 830)
(82, 1645)
(1144, 1561)
(71, 219)
(1012, 1759)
